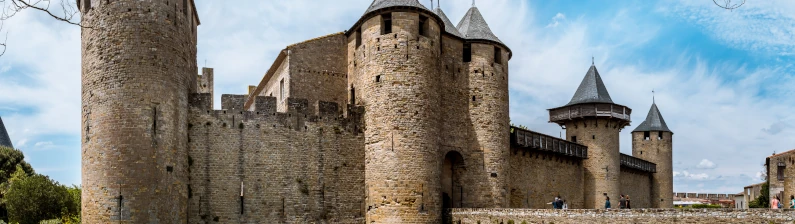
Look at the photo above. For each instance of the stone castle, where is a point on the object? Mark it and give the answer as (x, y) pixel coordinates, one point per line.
(392, 121)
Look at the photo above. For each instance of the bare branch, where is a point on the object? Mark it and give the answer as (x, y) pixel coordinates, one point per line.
(727, 4)
(3, 44)
(11, 7)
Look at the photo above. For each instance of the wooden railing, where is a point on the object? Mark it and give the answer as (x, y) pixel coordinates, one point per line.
(562, 114)
(534, 140)
(639, 164)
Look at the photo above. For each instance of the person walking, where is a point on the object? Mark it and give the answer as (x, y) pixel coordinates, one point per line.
(629, 205)
(774, 203)
(622, 202)
(565, 204)
(791, 201)
(555, 203)
(607, 202)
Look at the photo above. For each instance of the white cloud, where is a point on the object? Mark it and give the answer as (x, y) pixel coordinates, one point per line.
(706, 164)
(691, 176)
(767, 26)
(560, 17)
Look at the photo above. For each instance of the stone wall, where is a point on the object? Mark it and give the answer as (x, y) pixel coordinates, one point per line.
(537, 177)
(318, 70)
(638, 185)
(633, 216)
(266, 167)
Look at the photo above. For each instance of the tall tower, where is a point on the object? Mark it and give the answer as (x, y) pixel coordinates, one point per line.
(592, 119)
(487, 58)
(653, 141)
(138, 67)
(394, 57)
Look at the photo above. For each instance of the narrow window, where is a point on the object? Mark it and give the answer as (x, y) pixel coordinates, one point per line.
(281, 90)
(359, 37)
(574, 138)
(594, 136)
(353, 96)
(498, 55)
(646, 135)
(659, 135)
(377, 78)
(780, 173)
(473, 98)
(386, 23)
(423, 26)
(87, 5)
(467, 52)
(185, 7)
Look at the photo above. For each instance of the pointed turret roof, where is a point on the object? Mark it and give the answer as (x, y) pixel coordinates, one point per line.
(654, 121)
(474, 27)
(4, 139)
(448, 25)
(380, 4)
(591, 90)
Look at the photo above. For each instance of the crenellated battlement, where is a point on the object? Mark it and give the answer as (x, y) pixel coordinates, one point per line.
(299, 112)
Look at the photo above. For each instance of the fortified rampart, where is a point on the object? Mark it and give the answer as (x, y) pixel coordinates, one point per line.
(305, 165)
(634, 216)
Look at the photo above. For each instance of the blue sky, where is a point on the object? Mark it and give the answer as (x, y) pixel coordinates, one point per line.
(723, 79)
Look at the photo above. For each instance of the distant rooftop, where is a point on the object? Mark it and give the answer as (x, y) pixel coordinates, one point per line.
(4, 139)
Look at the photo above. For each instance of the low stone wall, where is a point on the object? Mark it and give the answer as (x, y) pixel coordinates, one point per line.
(548, 216)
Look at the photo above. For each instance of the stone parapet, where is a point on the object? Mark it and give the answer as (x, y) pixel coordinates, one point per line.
(474, 215)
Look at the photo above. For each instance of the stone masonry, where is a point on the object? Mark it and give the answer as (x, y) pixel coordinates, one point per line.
(396, 120)
(634, 216)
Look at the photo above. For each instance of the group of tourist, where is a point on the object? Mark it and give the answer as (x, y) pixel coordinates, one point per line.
(623, 202)
(776, 203)
(559, 203)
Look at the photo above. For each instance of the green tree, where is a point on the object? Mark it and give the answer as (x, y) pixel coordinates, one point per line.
(11, 161)
(35, 198)
(763, 201)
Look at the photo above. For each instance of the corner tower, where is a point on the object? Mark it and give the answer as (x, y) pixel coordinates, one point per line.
(653, 142)
(486, 59)
(138, 67)
(592, 119)
(393, 66)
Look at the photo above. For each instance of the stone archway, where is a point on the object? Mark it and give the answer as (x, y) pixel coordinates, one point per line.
(453, 169)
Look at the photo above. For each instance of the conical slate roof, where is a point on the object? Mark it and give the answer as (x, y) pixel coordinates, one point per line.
(654, 121)
(380, 4)
(4, 139)
(474, 27)
(448, 25)
(591, 90)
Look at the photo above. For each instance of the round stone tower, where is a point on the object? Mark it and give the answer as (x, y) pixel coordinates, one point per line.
(592, 119)
(138, 67)
(487, 58)
(394, 59)
(653, 142)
